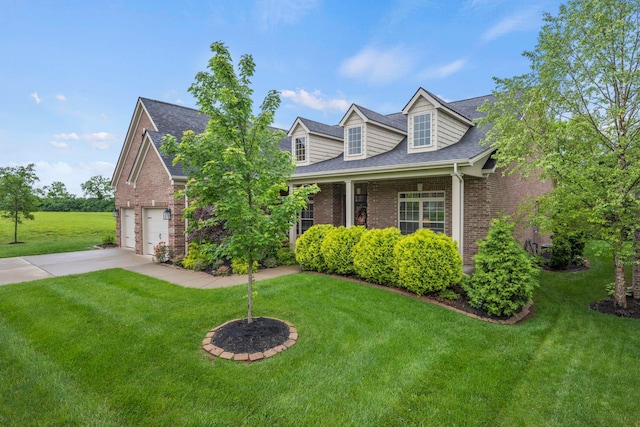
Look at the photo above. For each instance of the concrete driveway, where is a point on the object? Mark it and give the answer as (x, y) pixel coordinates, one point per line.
(24, 269)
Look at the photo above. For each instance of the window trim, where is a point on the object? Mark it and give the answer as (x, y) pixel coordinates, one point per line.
(425, 196)
(305, 140)
(348, 141)
(432, 140)
(310, 207)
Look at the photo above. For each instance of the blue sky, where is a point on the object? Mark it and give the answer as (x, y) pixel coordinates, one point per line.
(72, 70)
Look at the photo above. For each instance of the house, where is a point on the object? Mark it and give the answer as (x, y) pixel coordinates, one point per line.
(145, 180)
(422, 167)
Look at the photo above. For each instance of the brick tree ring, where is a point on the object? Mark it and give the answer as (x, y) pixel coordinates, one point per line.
(238, 340)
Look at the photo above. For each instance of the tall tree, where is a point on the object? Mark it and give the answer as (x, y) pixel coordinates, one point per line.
(236, 164)
(18, 197)
(57, 190)
(98, 187)
(576, 116)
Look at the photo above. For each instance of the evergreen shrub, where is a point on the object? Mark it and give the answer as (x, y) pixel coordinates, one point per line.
(504, 277)
(427, 262)
(308, 247)
(337, 248)
(560, 252)
(373, 258)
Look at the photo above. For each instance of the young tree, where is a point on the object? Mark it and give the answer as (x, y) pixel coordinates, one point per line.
(236, 165)
(98, 187)
(17, 195)
(576, 116)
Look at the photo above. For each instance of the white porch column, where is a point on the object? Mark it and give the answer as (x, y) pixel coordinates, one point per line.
(349, 203)
(457, 210)
(294, 228)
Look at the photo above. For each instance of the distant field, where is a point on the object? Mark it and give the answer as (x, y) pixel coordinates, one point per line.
(53, 232)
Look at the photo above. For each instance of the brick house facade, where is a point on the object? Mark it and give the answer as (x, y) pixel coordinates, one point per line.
(421, 167)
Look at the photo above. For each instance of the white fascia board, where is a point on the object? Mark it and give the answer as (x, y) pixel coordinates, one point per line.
(351, 110)
(297, 123)
(386, 172)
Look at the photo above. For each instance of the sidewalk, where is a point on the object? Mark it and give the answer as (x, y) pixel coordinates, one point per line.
(24, 269)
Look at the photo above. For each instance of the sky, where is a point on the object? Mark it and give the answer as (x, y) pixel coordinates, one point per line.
(72, 71)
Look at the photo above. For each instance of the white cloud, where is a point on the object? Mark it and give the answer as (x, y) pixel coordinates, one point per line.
(72, 174)
(444, 70)
(98, 140)
(273, 13)
(61, 97)
(35, 97)
(378, 66)
(66, 136)
(59, 144)
(520, 21)
(315, 100)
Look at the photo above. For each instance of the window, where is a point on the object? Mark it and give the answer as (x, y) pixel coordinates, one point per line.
(354, 141)
(301, 149)
(306, 217)
(421, 210)
(422, 130)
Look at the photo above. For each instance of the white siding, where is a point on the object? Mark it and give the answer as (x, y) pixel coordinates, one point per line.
(422, 106)
(321, 148)
(450, 130)
(380, 140)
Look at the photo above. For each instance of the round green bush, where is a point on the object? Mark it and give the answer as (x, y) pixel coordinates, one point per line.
(427, 262)
(561, 255)
(308, 247)
(373, 258)
(337, 248)
(504, 277)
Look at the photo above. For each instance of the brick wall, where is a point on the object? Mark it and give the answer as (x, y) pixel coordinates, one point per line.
(153, 189)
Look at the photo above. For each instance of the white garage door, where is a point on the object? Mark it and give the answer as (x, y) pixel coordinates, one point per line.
(128, 228)
(156, 229)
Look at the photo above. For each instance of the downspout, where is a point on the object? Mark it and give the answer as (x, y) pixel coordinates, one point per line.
(458, 214)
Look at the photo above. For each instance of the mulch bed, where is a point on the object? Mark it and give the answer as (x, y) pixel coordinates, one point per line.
(261, 335)
(607, 306)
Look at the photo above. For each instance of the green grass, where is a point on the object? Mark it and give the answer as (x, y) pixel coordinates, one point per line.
(117, 348)
(54, 232)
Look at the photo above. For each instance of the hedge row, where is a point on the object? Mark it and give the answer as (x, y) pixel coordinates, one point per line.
(421, 262)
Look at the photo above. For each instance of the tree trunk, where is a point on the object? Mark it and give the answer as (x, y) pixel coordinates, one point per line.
(15, 227)
(250, 292)
(620, 297)
(636, 265)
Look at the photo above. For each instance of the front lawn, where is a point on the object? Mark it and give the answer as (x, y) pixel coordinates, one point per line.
(55, 232)
(117, 348)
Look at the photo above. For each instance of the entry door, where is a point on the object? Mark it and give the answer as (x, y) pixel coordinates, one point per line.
(156, 229)
(128, 228)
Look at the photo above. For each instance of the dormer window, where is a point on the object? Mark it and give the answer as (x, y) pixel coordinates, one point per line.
(354, 141)
(301, 149)
(422, 130)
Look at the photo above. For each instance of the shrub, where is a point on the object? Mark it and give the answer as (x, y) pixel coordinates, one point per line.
(286, 256)
(337, 248)
(240, 266)
(223, 270)
(427, 262)
(270, 262)
(308, 247)
(504, 276)
(197, 258)
(373, 256)
(108, 238)
(560, 252)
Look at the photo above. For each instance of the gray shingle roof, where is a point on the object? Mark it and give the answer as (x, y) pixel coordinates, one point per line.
(391, 121)
(321, 128)
(468, 147)
(173, 120)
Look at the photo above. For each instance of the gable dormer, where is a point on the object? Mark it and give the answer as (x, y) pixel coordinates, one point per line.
(367, 133)
(312, 141)
(432, 124)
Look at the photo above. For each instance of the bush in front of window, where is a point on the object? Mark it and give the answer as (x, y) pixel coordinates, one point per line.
(504, 277)
(308, 247)
(373, 256)
(337, 248)
(427, 262)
